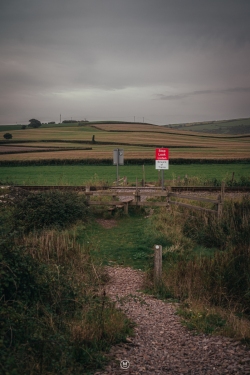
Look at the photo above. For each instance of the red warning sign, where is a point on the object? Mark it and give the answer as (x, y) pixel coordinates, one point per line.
(161, 158)
(161, 154)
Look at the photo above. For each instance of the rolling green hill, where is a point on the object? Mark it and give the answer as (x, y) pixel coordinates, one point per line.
(234, 126)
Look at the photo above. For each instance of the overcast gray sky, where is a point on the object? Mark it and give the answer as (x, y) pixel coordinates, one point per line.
(164, 61)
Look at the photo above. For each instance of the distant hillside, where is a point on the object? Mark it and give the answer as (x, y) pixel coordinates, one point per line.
(234, 126)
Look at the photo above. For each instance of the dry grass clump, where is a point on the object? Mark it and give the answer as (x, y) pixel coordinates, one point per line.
(170, 224)
(212, 284)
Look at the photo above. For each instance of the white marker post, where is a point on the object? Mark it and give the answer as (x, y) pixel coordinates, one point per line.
(157, 264)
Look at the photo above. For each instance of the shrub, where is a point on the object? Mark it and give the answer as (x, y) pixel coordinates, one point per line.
(34, 123)
(48, 209)
(53, 320)
(7, 136)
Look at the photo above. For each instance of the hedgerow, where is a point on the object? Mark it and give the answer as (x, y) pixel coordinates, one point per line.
(139, 161)
(48, 209)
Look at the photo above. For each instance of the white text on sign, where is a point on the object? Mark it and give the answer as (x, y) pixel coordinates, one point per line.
(161, 164)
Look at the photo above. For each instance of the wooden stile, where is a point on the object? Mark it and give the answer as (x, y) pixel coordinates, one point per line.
(137, 194)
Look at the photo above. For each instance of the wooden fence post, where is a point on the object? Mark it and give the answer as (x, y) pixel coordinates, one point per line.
(157, 264)
(232, 177)
(223, 184)
(126, 208)
(87, 190)
(221, 199)
(168, 195)
(137, 196)
(159, 177)
(143, 176)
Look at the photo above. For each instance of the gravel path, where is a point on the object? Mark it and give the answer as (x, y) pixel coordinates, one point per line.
(161, 345)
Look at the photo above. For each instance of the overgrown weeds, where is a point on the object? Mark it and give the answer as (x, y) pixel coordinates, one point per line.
(232, 229)
(55, 316)
(198, 181)
(218, 280)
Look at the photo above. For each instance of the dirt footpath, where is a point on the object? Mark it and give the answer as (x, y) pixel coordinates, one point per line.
(161, 345)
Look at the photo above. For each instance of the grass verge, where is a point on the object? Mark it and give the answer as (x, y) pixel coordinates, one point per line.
(127, 241)
(206, 268)
(55, 315)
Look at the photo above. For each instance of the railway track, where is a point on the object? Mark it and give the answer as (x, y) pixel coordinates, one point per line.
(93, 188)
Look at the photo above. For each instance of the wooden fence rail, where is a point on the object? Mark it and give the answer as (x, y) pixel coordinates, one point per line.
(123, 181)
(137, 198)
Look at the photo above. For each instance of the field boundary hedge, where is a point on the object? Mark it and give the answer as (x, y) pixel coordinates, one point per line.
(6, 143)
(176, 161)
(45, 150)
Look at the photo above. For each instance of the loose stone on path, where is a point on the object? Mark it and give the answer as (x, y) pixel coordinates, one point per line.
(161, 345)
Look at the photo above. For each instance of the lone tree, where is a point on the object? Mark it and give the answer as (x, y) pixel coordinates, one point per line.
(34, 123)
(7, 136)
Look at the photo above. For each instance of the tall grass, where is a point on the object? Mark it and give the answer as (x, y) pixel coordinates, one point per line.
(216, 279)
(222, 279)
(56, 318)
(232, 229)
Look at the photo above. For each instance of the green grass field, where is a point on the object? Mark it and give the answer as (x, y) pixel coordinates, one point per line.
(80, 175)
(237, 126)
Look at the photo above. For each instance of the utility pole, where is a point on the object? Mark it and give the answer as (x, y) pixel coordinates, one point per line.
(60, 118)
(134, 118)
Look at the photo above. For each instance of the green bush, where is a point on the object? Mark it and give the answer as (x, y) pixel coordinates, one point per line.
(53, 320)
(49, 209)
(7, 136)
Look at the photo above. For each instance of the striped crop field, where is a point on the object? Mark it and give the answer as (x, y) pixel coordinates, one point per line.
(137, 140)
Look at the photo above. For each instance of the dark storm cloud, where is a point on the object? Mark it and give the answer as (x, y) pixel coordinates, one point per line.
(182, 48)
(203, 92)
